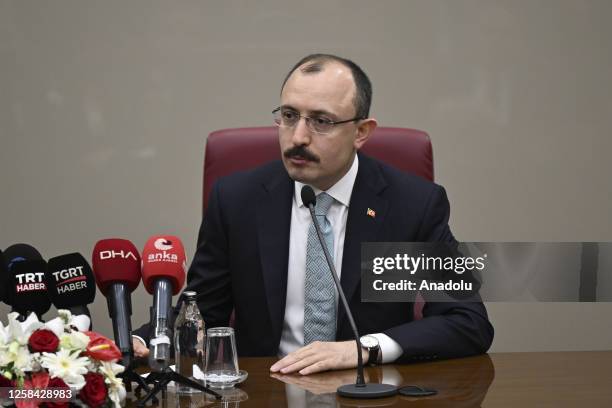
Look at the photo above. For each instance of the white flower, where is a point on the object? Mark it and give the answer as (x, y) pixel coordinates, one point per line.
(20, 331)
(74, 341)
(68, 366)
(81, 322)
(19, 356)
(65, 315)
(116, 390)
(56, 326)
(5, 336)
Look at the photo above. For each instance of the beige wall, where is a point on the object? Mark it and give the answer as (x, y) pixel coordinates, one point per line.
(105, 106)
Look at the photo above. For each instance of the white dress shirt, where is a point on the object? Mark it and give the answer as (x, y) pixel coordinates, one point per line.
(292, 337)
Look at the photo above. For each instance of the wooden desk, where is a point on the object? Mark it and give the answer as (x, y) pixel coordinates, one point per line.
(561, 379)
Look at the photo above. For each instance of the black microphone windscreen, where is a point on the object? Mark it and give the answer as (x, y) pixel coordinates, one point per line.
(20, 252)
(4, 278)
(70, 281)
(308, 196)
(27, 288)
(12, 255)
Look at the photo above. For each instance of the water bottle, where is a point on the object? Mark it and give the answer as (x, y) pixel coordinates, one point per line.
(189, 340)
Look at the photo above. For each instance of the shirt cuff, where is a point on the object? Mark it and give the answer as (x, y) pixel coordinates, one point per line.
(145, 343)
(390, 350)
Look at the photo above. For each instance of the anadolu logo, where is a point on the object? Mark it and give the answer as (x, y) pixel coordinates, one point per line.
(163, 244)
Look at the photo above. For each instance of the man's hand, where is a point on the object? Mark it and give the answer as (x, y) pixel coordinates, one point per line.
(320, 356)
(140, 350)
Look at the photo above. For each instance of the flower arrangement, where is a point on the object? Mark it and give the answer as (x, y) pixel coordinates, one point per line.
(59, 355)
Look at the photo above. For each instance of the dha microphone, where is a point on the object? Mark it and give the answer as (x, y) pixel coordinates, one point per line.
(360, 389)
(70, 283)
(26, 290)
(163, 275)
(116, 266)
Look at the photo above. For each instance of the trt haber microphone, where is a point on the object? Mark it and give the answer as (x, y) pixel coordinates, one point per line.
(20, 252)
(163, 274)
(13, 255)
(116, 266)
(70, 283)
(27, 288)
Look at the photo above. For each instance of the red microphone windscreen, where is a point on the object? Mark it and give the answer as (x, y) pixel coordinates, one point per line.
(164, 257)
(116, 260)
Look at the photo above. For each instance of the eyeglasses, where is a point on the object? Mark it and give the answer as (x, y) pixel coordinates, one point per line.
(288, 118)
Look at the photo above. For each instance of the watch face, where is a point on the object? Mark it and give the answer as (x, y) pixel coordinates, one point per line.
(369, 341)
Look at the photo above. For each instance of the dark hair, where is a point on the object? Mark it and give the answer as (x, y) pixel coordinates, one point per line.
(314, 63)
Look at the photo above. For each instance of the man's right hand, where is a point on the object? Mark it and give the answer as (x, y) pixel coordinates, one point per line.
(140, 350)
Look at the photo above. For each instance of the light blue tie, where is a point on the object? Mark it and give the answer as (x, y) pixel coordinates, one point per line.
(319, 289)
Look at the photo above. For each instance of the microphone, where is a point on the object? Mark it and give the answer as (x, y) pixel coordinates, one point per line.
(4, 278)
(163, 275)
(116, 266)
(360, 389)
(70, 283)
(26, 291)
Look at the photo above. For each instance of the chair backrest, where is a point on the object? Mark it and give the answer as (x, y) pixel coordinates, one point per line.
(231, 150)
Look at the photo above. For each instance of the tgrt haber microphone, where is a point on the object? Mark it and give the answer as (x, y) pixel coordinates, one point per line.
(116, 265)
(25, 291)
(360, 389)
(70, 283)
(163, 274)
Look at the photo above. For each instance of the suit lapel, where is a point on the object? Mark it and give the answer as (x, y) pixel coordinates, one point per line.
(361, 225)
(273, 226)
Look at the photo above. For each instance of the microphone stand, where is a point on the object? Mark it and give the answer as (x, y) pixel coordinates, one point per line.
(129, 375)
(161, 380)
(360, 389)
(158, 357)
(120, 309)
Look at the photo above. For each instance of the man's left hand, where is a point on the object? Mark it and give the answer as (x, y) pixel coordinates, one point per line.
(320, 356)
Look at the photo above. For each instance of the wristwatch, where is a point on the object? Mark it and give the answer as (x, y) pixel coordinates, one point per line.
(371, 344)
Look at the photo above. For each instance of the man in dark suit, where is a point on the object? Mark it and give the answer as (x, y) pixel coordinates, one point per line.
(255, 257)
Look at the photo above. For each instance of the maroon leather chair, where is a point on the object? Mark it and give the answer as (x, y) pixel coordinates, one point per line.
(231, 150)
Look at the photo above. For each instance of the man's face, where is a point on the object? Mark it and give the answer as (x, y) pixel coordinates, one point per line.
(320, 159)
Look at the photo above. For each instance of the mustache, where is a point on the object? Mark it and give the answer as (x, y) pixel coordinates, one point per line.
(301, 151)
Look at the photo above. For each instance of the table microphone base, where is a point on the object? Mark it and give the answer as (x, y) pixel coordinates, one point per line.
(367, 391)
(161, 380)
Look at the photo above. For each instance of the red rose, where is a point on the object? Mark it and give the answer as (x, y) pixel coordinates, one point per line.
(94, 392)
(57, 383)
(101, 348)
(43, 340)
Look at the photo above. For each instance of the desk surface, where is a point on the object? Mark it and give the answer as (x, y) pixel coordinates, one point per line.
(556, 379)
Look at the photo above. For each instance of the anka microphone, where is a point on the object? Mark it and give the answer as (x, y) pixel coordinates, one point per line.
(163, 275)
(26, 290)
(116, 266)
(70, 283)
(360, 389)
